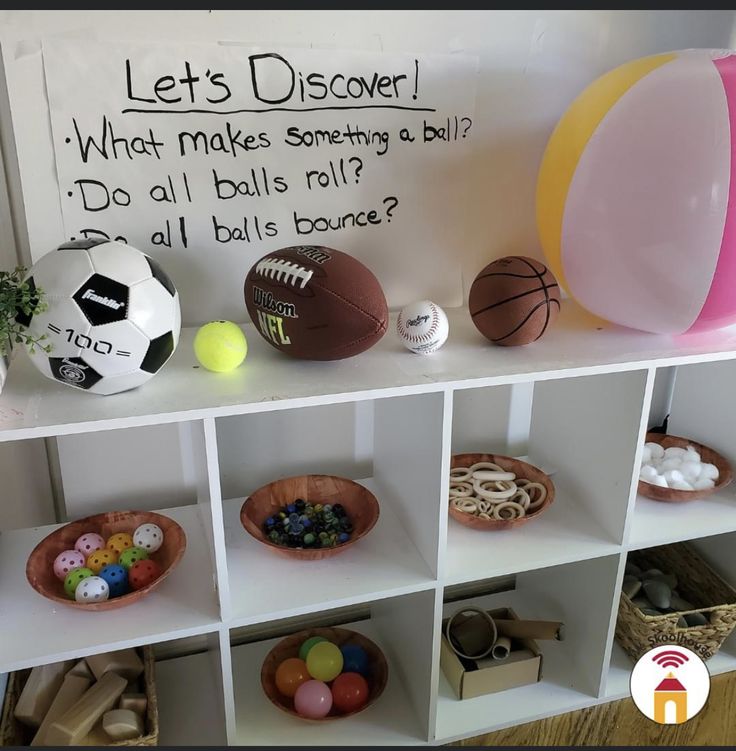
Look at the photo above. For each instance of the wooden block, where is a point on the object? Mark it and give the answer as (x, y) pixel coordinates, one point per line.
(122, 724)
(82, 668)
(80, 718)
(137, 702)
(41, 687)
(71, 689)
(124, 662)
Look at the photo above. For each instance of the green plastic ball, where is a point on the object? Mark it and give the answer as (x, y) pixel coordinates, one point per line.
(73, 578)
(220, 346)
(132, 555)
(308, 644)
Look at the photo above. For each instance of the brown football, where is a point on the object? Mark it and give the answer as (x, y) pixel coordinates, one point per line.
(315, 303)
(514, 300)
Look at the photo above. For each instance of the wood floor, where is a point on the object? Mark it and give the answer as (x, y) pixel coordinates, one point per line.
(620, 723)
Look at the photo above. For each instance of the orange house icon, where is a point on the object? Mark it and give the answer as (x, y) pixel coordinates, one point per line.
(670, 690)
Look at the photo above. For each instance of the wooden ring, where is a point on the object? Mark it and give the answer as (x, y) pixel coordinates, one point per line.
(536, 503)
(516, 509)
(464, 474)
(485, 465)
(461, 490)
(483, 474)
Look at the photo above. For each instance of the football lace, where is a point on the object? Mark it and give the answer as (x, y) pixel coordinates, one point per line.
(284, 271)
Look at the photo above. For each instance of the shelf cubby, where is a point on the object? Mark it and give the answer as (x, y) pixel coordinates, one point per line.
(402, 627)
(391, 446)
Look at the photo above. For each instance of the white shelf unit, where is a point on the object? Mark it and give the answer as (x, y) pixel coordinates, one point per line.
(577, 403)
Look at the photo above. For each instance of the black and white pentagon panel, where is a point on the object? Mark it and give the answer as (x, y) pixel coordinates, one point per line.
(113, 317)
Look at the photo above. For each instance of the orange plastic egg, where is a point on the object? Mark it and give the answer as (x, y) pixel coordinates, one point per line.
(290, 674)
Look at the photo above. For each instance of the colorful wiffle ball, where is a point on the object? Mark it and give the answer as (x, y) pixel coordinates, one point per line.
(92, 589)
(132, 555)
(119, 542)
(67, 561)
(150, 537)
(87, 543)
(74, 579)
(116, 577)
(143, 572)
(101, 558)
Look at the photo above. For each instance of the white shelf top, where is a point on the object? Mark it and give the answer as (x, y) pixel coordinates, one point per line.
(33, 406)
(265, 585)
(562, 534)
(37, 631)
(657, 523)
(390, 721)
(188, 710)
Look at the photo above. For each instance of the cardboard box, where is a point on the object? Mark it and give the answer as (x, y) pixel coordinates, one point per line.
(470, 678)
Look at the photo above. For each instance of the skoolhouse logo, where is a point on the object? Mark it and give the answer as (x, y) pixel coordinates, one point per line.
(670, 684)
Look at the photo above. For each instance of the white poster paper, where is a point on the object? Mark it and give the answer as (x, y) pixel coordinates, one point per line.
(209, 156)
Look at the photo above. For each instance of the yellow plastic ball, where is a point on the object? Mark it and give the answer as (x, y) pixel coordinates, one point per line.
(119, 542)
(101, 558)
(324, 661)
(220, 346)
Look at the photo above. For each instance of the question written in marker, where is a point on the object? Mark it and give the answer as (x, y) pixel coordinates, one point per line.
(190, 148)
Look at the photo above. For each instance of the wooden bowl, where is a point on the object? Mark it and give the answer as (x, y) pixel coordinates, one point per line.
(520, 469)
(39, 568)
(289, 647)
(359, 503)
(707, 454)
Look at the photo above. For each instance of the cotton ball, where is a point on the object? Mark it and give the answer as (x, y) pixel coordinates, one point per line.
(656, 451)
(703, 484)
(659, 481)
(669, 464)
(675, 452)
(709, 472)
(681, 485)
(648, 473)
(690, 470)
(646, 454)
(673, 476)
(692, 455)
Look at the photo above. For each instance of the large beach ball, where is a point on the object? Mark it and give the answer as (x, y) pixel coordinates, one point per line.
(636, 197)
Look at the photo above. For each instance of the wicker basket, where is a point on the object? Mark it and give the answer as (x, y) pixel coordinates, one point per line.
(698, 583)
(13, 733)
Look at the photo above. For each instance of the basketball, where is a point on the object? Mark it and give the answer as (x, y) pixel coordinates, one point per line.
(514, 300)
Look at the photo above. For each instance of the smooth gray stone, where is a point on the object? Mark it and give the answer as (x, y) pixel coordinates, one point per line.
(632, 570)
(650, 611)
(681, 622)
(696, 619)
(658, 593)
(651, 573)
(631, 586)
(641, 603)
(669, 579)
(679, 603)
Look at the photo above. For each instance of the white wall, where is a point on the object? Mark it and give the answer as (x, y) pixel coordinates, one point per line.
(532, 64)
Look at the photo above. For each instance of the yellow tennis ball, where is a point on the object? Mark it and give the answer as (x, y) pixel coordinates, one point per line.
(220, 346)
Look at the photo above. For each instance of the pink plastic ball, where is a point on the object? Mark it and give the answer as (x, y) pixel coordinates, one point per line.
(313, 699)
(87, 544)
(66, 562)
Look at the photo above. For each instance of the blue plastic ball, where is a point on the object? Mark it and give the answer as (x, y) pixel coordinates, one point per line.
(344, 537)
(291, 508)
(270, 521)
(355, 659)
(117, 579)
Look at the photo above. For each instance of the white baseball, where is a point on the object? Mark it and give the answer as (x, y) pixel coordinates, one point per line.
(422, 327)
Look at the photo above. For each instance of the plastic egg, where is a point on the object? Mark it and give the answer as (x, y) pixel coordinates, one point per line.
(92, 589)
(119, 542)
(66, 562)
(709, 472)
(101, 558)
(150, 537)
(655, 450)
(116, 577)
(648, 474)
(88, 543)
(675, 452)
(73, 578)
(690, 470)
(142, 573)
(132, 555)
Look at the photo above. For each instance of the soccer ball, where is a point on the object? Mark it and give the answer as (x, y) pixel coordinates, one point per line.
(113, 316)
